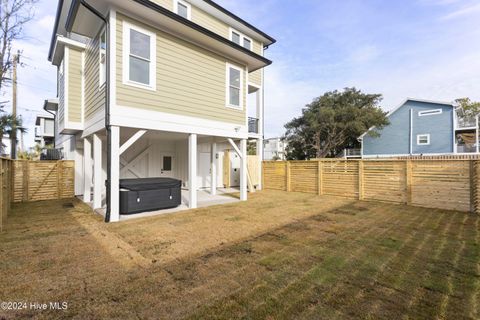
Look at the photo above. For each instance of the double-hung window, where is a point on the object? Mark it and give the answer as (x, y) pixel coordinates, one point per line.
(182, 8)
(240, 39)
(102, 57)
(139, 57)
(234, 87)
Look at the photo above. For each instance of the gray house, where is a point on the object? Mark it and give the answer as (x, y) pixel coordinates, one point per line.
(417, 127)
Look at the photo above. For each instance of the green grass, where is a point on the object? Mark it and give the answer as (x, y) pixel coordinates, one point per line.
(331, 259)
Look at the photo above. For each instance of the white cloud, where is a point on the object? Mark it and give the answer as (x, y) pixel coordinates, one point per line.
(464, 11)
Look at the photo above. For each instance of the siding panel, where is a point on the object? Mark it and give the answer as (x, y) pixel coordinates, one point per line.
(94, 95)
(75, 86)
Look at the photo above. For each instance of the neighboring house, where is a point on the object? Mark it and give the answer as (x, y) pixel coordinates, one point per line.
(422, 127)
(44, 129)
(155, 88)
(274, 149)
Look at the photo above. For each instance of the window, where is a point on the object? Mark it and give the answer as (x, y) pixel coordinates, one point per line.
(423, 139)
(167, 163)
(103, 57)
(182, 8)
(234, 86)
(240, 39)
(429, 112)
(139, 57)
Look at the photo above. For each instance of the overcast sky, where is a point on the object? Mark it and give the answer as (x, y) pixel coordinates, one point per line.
(426, 49)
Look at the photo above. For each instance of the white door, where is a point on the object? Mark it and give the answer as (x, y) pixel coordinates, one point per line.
(166, 165)
(203, 170)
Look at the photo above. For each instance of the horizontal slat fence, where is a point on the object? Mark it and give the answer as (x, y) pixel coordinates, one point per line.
(43, 180)
(444, 184)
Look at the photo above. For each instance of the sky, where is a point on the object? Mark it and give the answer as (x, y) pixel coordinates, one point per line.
(428, 49)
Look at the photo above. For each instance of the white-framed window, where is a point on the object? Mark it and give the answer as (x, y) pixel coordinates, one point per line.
(240, 39)
(102, 56)
(423, 139)
(182, 8)
(139, 61)
(429, 112)
(234, 86)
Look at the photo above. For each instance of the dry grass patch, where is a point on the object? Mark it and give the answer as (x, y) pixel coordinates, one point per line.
(278, 256)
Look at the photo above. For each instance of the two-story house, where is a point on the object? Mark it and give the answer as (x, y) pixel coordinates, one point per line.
(44, 129)
(423, 127)
(274, 149)
(155, 89)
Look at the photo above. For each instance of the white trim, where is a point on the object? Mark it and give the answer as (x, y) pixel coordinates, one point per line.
(127, 26)
(186, 4)
(137, 135)
(97, 172)
(71, 42)
(213, 169)
(126, 116)
(66, 62)
(83, 89)
(411, 131)
(101, 72)
(192, 171)
(431, 112)
(87, 170)
(227, 86)
(242, 38)
(243, 171)
(419, 136)
(114, 174)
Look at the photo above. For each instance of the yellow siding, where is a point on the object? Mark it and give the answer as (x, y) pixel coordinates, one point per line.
(75, 85)
(61, 94)
(94, 95)
(209, 22)
(256, 77)
(191, 81)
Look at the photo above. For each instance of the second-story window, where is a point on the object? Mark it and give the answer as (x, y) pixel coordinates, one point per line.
(240, 39)
(103, 57)
(182, 8)
(234, 86)
(139, 57)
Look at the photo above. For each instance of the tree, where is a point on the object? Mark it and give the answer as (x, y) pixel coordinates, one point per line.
(333, 122)
(469, 107)
(14, 14)
(7, 123)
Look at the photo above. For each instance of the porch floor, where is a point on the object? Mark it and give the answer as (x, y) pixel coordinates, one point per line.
(204, 199)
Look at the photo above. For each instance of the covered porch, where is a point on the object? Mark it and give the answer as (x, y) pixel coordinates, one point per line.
(198, 161)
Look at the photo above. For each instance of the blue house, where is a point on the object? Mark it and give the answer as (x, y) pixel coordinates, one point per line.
(417, 127)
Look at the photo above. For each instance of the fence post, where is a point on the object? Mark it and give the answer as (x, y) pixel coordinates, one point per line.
(26, 174)
(59, 179)
(408, 181)
(320, 177)
(288, 176)
(474, 186)
(360, 180)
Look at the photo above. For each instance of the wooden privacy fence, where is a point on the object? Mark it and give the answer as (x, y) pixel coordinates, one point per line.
(443, 184)
(43, 180)
(5, 189)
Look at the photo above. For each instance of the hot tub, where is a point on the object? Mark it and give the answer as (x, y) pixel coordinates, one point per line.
(149, 194)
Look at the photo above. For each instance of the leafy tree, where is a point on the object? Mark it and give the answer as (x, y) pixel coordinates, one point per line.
(333, 122)
(470, 108)
(7, 123)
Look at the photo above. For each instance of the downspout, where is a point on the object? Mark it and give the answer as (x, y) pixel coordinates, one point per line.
(107, 101)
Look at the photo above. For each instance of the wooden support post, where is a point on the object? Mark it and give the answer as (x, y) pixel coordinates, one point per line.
(408, 181)
(320, 178)
(97, 172)
(192, 171)
(114, 174)
(243, 170)
(360, 180)
(288, 184)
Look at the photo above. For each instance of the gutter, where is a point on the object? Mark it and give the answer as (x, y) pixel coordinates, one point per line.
(69, 24)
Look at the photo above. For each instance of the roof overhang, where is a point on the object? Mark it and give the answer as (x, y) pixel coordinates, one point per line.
(82, 21)
(50, 104)
(59, 48)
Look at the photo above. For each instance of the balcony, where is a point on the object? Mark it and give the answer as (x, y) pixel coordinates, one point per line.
(466, 122)
(466, 148)
(253, 125)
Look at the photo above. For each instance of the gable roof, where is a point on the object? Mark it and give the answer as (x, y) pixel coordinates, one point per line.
(450, 104)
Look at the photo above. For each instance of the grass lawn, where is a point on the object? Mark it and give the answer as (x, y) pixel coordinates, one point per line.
(278, 256)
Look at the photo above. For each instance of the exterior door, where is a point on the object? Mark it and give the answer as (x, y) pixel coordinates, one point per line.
(203, 170)
(166, 165)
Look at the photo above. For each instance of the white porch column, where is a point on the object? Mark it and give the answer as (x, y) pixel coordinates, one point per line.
(87, 170)
(213, 169)
(243, 170)
(97, 172)
(114, 174)
(192, 170)
(260, 159)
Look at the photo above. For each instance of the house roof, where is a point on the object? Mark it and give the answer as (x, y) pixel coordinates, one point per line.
(62, 20)
(450, 104)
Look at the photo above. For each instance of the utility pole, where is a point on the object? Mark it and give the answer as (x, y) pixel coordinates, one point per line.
(13, 135)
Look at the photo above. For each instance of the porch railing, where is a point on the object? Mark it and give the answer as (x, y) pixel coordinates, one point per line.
(466, 122)
(252, 125)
